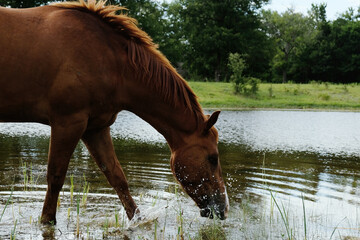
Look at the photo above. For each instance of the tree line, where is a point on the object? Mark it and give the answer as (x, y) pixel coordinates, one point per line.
(198, 36)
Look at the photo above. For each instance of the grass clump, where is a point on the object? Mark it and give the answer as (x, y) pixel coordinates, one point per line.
(211, 232)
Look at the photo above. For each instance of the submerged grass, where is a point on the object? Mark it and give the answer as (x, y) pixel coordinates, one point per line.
(28, 177)
(280, 96)
(291, 223)
(213, 231)
(86, 188)
(273, 221)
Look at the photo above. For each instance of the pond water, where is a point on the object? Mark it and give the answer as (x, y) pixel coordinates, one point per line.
(288, 174)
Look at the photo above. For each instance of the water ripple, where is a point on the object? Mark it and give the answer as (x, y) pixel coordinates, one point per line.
(318, 132)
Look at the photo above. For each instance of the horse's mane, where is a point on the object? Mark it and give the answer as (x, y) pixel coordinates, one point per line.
(150, 64)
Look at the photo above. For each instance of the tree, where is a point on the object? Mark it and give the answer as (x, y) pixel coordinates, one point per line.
(291, 31)
(318, 14)
(173, 41)
(334, 55)
(214, 28)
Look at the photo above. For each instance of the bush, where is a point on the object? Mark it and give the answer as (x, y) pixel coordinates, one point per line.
(325, 97)
(253, 85)
(241, 83)
(237, 66)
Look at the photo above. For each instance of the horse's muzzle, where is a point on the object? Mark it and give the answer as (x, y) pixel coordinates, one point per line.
(219, 209)
(207, 212)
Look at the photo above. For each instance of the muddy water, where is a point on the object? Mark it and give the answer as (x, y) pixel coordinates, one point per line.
(304, 165)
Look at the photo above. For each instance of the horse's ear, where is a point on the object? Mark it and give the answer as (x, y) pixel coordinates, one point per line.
(211, 121)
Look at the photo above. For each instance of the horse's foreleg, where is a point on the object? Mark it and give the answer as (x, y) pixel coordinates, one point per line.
(64, 137)
(101, 148)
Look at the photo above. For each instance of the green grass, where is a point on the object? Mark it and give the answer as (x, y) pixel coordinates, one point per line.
(280, 96)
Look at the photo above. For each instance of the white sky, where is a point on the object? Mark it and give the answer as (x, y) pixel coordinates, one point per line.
(333, 10)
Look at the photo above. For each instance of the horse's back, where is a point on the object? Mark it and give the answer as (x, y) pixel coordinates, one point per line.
(48, 55)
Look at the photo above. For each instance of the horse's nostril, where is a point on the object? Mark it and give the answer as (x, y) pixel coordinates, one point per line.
(211, 216)
(205, 212)
(222, 216)
(216, 205)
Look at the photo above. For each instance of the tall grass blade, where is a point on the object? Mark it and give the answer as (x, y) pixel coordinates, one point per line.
(77, 216)
(25, 176)
(305, 229)
(71, 189)
(6, 204)
(13, 236)
(85, 192)
(117, 224)
(283, 216)
(332, 234)
(155, 231)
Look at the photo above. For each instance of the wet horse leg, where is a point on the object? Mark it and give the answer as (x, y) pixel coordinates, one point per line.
(101, 148)
(64, 137)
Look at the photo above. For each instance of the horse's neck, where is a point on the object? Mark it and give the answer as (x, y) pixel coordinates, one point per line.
(172, 122)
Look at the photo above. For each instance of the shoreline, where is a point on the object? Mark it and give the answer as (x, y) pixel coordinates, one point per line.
(280, 109)
(280, 97)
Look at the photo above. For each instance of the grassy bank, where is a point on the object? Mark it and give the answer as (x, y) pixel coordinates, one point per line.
(280, 96)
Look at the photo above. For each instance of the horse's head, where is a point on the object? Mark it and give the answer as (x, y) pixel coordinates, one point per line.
(197, 167)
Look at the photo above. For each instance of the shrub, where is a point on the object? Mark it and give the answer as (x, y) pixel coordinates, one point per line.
(325, 97)
(237, 66)
(271, 91)
(241, 83)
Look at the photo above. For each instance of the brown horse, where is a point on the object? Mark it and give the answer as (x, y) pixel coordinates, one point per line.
(74, 66)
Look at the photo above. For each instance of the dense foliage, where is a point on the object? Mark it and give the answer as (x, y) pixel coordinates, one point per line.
(334, 55)
(198, 37)
(321, 50)
(213, 29)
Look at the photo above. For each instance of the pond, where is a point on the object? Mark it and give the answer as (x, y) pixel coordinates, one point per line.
(289, 174)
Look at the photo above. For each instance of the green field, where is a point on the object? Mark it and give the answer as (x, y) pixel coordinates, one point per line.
(324, 96)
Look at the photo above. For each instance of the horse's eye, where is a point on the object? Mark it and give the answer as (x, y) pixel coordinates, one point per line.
(213, 159)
